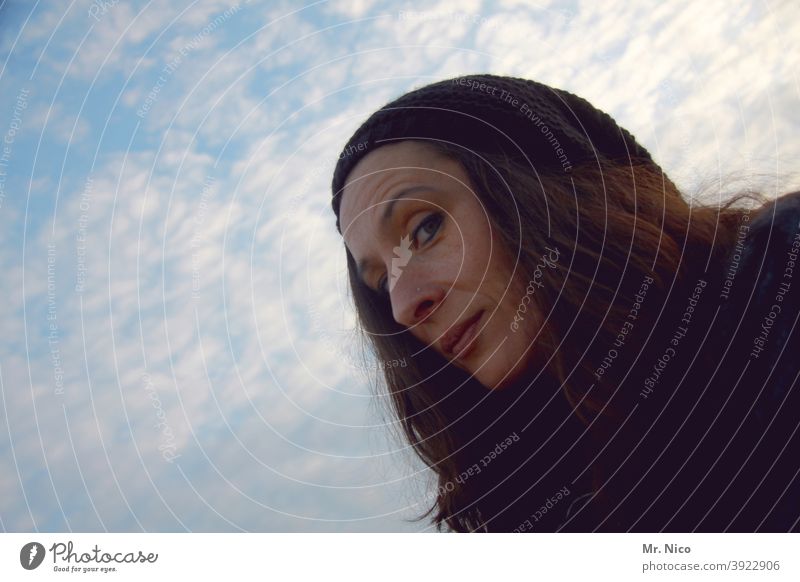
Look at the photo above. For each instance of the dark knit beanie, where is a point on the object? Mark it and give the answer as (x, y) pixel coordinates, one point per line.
(550, 129)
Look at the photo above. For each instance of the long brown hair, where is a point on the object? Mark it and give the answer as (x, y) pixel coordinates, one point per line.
(616, 225)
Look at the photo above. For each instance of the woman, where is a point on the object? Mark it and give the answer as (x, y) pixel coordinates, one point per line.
(586, 350)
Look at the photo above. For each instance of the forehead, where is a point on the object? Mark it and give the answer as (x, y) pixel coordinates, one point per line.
(405, 162)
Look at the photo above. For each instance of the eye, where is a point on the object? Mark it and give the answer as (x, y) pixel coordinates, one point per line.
(429, 226)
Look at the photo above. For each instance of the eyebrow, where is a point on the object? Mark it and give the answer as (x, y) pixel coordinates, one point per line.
(386, 217)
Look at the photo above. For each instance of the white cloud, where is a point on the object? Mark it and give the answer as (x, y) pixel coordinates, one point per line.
(248, 371)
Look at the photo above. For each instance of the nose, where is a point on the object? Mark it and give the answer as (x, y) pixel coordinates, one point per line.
(413, 299)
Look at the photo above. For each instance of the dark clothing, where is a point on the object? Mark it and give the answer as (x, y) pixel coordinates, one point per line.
(494, 114)
(714, 440)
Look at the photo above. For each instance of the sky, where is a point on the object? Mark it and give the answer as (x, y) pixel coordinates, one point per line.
(179, 350)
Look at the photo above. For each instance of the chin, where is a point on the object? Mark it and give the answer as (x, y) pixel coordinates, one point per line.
(497, 384)
(496, 379)
(496, 375)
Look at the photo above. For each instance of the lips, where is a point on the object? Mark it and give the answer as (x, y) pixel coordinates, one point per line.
(452, 342)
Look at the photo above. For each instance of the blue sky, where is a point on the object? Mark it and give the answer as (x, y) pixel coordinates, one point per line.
(176, 317)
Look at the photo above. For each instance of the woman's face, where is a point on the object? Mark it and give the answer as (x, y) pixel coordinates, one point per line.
(422, 237)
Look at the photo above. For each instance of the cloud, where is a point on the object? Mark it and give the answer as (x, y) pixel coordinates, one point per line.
(212, 318)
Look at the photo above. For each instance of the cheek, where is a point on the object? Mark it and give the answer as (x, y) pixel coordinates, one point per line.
(491, 260)
(480, 249)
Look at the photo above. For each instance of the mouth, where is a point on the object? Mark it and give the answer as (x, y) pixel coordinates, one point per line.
(461, 336)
